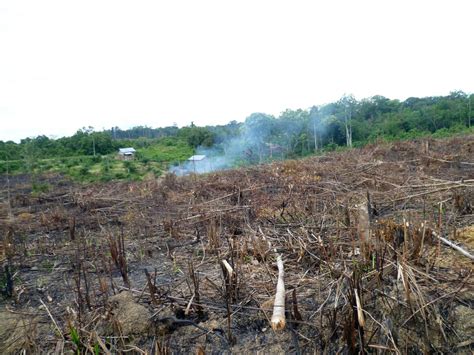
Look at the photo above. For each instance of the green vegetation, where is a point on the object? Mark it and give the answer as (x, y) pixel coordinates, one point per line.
(153, 158)
(168, 150)
(349, 122)
(91, 156)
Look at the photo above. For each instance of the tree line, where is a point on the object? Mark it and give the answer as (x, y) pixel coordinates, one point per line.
(346, 122)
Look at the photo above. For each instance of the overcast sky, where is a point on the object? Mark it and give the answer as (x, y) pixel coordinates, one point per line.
(102, 63)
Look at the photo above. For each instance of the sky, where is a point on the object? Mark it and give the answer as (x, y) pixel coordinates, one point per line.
(70, 64)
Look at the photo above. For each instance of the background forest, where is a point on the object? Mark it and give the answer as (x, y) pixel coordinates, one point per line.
(89, 155)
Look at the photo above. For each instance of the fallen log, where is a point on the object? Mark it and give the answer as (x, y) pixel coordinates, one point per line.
(278, 318)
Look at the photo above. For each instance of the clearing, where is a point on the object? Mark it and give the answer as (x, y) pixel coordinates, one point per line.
(139, 266)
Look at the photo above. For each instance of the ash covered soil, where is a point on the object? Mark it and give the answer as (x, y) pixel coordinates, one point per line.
(138, 266)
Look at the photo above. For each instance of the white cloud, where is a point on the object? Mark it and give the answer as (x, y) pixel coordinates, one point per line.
(68, 64)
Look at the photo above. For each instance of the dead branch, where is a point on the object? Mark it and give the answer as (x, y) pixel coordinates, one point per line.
(454, 246)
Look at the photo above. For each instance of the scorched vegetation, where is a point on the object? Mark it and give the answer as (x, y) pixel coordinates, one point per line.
(189, 264)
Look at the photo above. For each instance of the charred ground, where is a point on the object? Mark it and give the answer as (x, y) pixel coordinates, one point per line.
(138, 266)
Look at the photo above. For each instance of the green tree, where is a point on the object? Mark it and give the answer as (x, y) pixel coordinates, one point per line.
(197, 136)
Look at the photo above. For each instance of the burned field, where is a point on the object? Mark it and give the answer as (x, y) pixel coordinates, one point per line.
(188, 264)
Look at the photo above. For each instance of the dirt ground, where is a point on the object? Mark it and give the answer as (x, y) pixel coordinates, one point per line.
(139, 266)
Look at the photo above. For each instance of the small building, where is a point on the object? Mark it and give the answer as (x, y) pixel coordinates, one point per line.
(198, 164)
(197, 158)
(126, 153)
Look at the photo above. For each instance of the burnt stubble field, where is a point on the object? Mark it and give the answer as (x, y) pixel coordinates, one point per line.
(188, 264)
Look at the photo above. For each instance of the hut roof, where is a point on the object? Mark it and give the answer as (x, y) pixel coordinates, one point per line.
(197, 157)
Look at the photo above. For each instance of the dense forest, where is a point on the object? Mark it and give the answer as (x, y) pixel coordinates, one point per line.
(300, 132)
